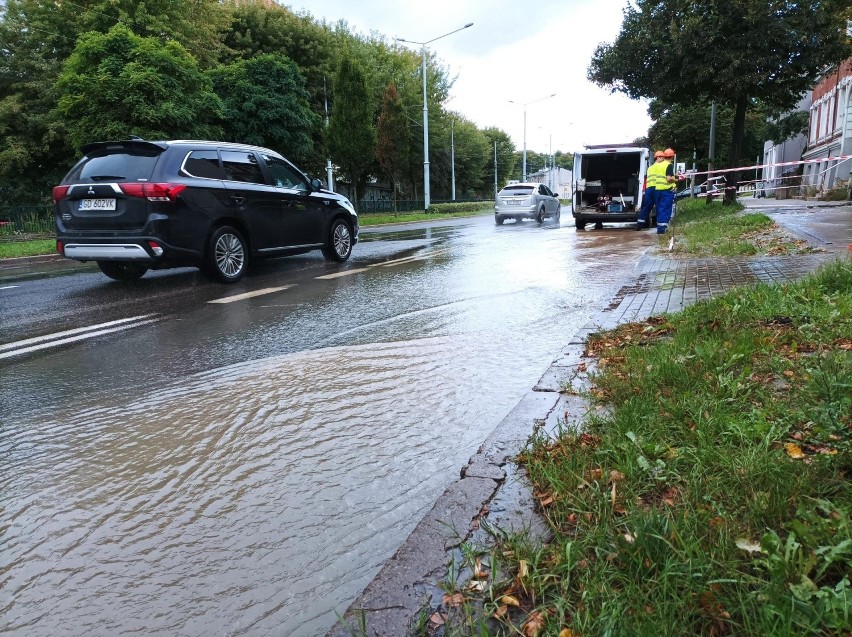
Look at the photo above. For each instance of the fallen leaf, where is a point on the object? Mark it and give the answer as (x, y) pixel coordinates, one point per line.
(454, 600)
(613, 494)
(616, 476)
(788, 373)
(594, 474)
(793, 450)
(509, 600)
(547, 501)
(437, 619)
(523, 569)
(567, 632)
(628, 538)
(747, 545)
(479, 572)
(477, 586)
(534, 623)
(502, 610)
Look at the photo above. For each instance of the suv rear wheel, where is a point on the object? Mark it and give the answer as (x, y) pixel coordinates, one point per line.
(227, 255)
(339, 245)
(122, 270)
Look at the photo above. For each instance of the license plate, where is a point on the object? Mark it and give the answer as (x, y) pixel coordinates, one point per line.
(514, 203)
(97, 204)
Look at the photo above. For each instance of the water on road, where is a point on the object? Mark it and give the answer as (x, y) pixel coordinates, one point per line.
(245, 469)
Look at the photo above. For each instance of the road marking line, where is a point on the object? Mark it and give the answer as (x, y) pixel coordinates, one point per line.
(9, 287)
(78, 330)
(72, 339)
(339, 274)
(248, 295)
(413, 257)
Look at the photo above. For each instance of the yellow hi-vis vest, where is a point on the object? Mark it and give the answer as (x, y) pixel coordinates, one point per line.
(657, 176)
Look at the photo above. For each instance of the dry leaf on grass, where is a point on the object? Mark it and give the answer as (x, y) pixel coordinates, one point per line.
(793, 450)
(534, 623)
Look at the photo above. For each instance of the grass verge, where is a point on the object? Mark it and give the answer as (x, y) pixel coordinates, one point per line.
(708, 494)
(28, 248)
(700, 229)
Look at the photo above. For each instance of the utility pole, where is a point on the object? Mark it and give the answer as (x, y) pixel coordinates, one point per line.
(453, 154)
(495, 170)
(328, 171)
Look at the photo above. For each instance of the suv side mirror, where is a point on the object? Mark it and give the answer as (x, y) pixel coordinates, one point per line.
(556, 194)
(317, 184)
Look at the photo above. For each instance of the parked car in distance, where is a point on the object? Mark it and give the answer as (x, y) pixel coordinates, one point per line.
(699, 190)
(135, 205)
(526, 201)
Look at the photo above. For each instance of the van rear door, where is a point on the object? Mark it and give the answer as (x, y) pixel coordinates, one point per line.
(576, 173)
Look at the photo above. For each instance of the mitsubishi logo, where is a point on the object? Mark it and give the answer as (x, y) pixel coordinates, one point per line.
(91, 191)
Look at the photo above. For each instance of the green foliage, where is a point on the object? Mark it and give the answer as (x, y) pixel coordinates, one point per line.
(680, 51)
(117, 84)
(351, 134)
(392, 143)
(266, 104)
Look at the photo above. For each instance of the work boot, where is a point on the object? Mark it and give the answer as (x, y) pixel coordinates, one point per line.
(640, 225)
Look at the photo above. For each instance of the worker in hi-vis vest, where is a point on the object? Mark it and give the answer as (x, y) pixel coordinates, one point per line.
(649, 199)
(666, 184)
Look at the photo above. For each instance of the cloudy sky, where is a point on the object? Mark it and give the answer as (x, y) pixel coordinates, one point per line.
(519, 51)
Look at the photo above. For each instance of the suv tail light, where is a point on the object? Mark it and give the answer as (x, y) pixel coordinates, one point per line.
(59, 193)
(153, 191)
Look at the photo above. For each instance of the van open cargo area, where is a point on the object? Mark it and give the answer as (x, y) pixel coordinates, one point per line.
(608, 184)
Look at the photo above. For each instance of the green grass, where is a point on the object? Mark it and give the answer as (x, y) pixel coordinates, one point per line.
(30, 248)
(376, 219)
(712, 496)
(718, 230)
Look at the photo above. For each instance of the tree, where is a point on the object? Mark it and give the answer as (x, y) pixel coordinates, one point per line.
(266, 103)
(505, 158)
(392, 143)
(679, 51)
(351, 134)
(117, 84)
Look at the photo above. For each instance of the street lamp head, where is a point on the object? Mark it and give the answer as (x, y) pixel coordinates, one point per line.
(469, 24)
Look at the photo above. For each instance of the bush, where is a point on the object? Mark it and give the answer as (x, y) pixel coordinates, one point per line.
(463, 206)
(840, 192)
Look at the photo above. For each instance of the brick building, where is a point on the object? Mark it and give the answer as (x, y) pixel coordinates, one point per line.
(830, 128)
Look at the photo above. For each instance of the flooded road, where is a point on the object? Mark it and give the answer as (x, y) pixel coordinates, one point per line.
(244, 468)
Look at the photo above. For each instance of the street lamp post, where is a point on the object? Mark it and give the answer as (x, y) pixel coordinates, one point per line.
(426, 111)
(525, 104)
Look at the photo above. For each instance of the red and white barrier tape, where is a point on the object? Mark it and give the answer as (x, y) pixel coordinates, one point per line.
(839, 159)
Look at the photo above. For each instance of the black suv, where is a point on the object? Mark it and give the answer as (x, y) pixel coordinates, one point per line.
(134, 205)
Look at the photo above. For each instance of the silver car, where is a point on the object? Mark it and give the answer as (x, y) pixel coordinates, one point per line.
(526, 201)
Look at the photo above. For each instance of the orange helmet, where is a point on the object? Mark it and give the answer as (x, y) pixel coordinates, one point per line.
(659, 153)
(668, 153)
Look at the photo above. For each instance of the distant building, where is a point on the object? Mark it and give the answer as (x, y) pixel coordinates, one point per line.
(556, 178)
(776, 180)
(830, 128)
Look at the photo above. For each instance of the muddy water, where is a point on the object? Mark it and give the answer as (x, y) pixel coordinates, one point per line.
(259, 497)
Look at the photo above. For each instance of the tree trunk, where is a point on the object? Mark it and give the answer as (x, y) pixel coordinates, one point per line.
(733, 178)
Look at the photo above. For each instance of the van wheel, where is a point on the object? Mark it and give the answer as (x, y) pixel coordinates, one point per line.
(122, 271)
(499, 220)
(580, 225)
(227, 256)
(339, 245)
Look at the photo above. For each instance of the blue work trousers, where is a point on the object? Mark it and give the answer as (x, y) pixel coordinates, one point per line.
(665, 201)
(648, 201)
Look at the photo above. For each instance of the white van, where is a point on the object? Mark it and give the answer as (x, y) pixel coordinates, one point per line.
(608, 184)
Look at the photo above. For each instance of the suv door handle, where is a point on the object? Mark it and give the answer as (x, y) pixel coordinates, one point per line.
(238, 200)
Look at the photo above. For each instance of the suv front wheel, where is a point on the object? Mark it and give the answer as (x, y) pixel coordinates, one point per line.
(339, 245)
(227, 255)
(122, 271)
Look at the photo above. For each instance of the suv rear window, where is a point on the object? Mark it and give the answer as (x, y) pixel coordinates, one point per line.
(130, 166)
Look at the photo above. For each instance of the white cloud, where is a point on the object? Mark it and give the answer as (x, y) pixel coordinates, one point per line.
(514, 51)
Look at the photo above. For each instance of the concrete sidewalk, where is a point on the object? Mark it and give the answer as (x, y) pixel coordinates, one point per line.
(491, 489)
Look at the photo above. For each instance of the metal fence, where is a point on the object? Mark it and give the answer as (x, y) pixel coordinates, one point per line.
(385, 206)
(17, 221)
